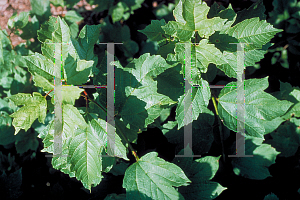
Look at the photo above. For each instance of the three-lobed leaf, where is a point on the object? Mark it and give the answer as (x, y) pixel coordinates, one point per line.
(153, 178)
(193, 15)
(258, 106)
(255, 167)
(200, 172)
(137, 99)
(34, 107)
(83, 143)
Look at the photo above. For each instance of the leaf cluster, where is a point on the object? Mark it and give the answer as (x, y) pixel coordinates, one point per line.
(145, 90)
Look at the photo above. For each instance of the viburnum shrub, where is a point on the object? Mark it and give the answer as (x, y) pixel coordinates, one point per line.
(145, 91)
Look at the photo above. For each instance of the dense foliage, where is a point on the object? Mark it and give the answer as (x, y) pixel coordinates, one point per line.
(149, 92)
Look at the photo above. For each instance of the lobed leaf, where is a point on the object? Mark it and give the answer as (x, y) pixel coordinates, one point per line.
(199, 102)
(258, 106)
(255, 167)
(200, 172)
(34, 107)
(153, 178)
(137, 99)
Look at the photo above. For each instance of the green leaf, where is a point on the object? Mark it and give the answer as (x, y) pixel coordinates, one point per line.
(121, 131)
(41, 9)
(73, 16)
(120, 34)
(84, 151)
(77, 72)
(6, 44)
(286, 139)
(154, 31)
(271, 196)
(250, 58)
(18, 21)
(6, 130)
(193, 14)
(282, 11)
(165, 11)
(117, 11)
(40, 81)
(86, 40)
(57, 3)
(38, 127)
(31, 28)
(78, 58)
(74, 29)
(289, 93)
(129, 134)
(134, 5)
(176, 29)
(6, 82)
(223, 42)
(149, 47)
(255, 10)
(228, 14)
(34, 106)
(69, 94)
(202, 55)
(255, 167)
(170, 83)
(130, 48)
(258, 106)
(56, 30)
(178, 13)
(253, 31)
(215, 9)
(273, 124)
(199, 102)
(166, 49)
(71, 119)
(119, 169)
(200, 172)
(38, 64)
(21, 81)
(8, 106)
(292, 94)
(83, 143)
(137, 100)
(154, 171)
(25, 141)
